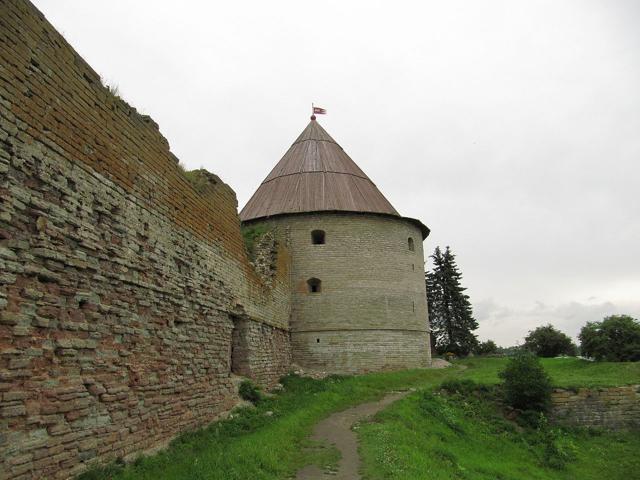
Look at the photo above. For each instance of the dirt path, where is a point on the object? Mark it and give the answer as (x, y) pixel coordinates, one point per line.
(336, 430)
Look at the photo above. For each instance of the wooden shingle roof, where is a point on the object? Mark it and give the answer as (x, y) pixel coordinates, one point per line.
(315, 175)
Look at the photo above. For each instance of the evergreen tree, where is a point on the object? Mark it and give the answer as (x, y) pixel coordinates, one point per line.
(450, 312)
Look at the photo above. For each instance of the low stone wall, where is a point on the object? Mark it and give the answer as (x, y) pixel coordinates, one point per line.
(611, 408)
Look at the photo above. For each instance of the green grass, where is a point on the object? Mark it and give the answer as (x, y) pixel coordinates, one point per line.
(198, 179)
(564, 372)
(436, 437)
(255, 446)
(433, 437)
(324, 455)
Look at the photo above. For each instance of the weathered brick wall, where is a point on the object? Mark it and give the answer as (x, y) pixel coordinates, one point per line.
(613, 407)
(259, 350)
(371, 313)
(118, 281)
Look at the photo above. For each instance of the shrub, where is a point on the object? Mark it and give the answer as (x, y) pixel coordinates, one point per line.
(462, 387)
(615, 339)
(510, 351)
(526, 385)
(548, 342)
(248, 391)
(529, 418)
(487, 348)
(557, 451)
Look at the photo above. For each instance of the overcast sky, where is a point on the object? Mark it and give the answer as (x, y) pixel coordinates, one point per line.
(510, 128)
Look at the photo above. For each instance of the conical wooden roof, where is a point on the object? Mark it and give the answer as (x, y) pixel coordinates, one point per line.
(315, 175)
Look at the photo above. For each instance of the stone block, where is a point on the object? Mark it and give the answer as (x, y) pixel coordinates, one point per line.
(14, 396)
(7, 253)
(19, 363)
(14, 318)
(13, 411)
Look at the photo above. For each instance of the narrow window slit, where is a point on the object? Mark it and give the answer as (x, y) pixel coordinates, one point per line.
(317, 237)
(315, 285)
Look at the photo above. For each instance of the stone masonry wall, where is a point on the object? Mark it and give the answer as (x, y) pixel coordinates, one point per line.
(118, 281)
(259, 350)
(371, 312)
(612, 408)
(360, 351)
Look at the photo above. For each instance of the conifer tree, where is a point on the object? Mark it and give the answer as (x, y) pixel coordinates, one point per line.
(450, 312)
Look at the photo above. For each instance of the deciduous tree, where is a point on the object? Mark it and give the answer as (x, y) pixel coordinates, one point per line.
(615, 339)
(487, 348)
(547, 341)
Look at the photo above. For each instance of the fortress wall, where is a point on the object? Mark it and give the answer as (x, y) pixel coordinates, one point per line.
(371, 313)
(611, 408)
(119, 282)
(360, 351)
(259, 351)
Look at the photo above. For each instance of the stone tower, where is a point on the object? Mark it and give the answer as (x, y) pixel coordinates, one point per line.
(357, 277)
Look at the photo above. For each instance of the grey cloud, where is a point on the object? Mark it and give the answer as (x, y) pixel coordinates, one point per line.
(509, 127)
(509, 326)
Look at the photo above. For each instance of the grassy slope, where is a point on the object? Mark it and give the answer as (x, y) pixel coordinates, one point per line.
(415, 440)
(408, 442)
(259, 447)
(564, 372)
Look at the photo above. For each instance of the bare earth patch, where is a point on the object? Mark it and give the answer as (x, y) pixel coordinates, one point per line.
(337, 430)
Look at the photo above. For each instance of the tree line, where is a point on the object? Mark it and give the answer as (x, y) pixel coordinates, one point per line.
(615, 338)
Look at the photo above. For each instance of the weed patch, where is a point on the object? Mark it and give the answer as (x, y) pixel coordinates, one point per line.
(251, 235)
(248, 391)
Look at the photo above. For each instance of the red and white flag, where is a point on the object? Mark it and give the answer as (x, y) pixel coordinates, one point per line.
(319, 111)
